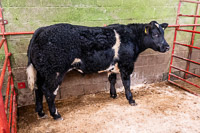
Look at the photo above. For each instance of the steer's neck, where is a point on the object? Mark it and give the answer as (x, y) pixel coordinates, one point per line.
(138, 31)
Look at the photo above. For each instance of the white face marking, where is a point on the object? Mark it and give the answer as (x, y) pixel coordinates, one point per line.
(157, 25)
(76, 60)
(31, 75)
(56, 91)
(117, 45)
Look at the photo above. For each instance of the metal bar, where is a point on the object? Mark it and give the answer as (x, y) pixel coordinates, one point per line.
(198, 32)
(197, 2)
(183, 88)
(11, 103)
(3, 72)
(192, 42)
(183, 25)
(13, 114)
(3, 119)
(16, 33)
(7, 93)
(187, 45)
(184, 80)
(1, 43)
(175, 34)
(185, 71)
(186, 59)
(188, 15)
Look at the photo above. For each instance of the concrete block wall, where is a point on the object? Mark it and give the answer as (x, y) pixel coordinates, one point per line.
(28, 15)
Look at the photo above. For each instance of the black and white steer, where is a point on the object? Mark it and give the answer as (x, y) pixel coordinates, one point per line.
(57, 49)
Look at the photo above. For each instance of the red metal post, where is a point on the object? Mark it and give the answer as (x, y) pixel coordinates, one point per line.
(7, 94)
(3, 119)
(2, 41)
(14, 114)
(175, 34)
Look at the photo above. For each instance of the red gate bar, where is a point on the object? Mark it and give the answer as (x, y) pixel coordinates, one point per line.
(183, 25)
(3, 71)
(184, 80)
(2, 41)
(186, 59)
(197, 2)
(3, 119)
(185, 71)
(198, 32)
(7, 93)
(16, 33)
(183, 88)
(188, 15)
(187, 45)
(14, 114)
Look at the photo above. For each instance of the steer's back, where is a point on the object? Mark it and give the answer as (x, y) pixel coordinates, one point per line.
(56, 46)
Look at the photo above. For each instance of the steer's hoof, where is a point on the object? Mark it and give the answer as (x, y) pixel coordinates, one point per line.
(57, 116)
(59, 119)
(132, 103)
(113, 96)
(42, 115)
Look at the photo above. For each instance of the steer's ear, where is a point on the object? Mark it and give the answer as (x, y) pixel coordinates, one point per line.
(147, 28)
(164, 25)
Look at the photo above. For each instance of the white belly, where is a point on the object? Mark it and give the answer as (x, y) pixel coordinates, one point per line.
(112, 68)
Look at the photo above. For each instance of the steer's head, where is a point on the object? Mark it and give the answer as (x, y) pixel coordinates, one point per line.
(154, 36)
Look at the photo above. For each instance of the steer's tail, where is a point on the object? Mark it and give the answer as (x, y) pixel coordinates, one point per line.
(31, 71)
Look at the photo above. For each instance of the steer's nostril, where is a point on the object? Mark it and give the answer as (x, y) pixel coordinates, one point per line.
(167, 48)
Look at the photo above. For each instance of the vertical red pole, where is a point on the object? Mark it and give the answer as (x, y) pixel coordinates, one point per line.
(7, 94)
(175, 34)
(14, 114)
(3, 119)
(192, 42)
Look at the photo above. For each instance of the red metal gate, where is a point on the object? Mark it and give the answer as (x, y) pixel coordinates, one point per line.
(10, 109)
(190, 48)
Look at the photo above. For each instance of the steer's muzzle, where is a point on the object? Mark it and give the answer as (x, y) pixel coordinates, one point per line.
(164, 48)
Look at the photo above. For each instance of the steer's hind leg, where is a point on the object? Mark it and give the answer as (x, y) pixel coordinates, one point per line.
(39, 97)
(50, 89)
(112, 79)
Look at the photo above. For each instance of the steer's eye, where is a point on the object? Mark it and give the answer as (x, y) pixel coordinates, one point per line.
(155, 35)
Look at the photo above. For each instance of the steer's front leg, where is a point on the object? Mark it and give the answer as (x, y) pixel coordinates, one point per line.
(126, 82)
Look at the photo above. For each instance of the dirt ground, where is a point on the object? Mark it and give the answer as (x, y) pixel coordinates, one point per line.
(162, 108)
